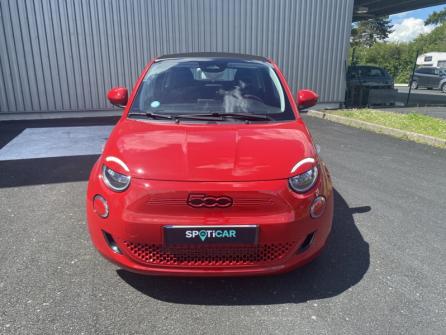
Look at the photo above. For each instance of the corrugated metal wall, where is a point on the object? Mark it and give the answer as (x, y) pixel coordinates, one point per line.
(65, 54)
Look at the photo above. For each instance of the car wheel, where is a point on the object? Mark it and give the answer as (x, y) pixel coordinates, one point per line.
(443, 88)
(414, 85)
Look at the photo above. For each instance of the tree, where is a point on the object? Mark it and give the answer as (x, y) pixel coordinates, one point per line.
(368, 32)
(399, 58)
(436, 17)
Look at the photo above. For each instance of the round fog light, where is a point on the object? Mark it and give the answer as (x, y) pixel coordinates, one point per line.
(317, 207)
(100, 206)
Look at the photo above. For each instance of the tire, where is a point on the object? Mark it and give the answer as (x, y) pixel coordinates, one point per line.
(414, 85)
(443, 88)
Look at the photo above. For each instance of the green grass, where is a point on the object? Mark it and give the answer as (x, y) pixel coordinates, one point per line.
(417, 123)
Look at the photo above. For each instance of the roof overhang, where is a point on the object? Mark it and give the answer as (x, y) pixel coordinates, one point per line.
(366, 9)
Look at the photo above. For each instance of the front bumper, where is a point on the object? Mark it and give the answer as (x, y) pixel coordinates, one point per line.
(132, 235)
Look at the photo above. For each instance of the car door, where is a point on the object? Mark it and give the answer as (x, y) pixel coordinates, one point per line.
(352, 76)
(430, 78)
(421, 77)
(435, 78)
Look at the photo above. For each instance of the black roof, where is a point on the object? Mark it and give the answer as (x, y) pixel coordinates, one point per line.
(366, 9)
(214, 55)
(365, 65)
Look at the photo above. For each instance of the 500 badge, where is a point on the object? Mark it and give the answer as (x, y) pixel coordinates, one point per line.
(208, 201)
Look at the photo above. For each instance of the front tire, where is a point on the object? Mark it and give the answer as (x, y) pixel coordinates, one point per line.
(414, 85)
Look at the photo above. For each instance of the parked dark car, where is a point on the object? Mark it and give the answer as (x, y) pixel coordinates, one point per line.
(369, 85)
(429, 77)
(370, 76)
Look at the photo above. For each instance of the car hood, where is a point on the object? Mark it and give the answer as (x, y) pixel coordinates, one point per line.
(202, 152)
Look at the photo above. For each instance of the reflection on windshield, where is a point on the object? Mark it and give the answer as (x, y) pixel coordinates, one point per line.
(215, 85)
(233, 100)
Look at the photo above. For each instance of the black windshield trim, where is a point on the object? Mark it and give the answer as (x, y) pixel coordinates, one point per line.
(219, 117)
(227, 55)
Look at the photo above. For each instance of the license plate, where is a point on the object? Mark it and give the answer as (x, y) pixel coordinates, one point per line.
(211, 234)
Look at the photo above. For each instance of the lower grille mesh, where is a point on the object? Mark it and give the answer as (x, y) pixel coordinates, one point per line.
(209, 255)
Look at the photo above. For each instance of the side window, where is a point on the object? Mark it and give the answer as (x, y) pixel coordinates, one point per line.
(428, 58)
(352, 74)
(376, 73)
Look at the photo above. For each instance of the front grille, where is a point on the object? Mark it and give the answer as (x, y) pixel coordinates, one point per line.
(209, 255)
(181, 200)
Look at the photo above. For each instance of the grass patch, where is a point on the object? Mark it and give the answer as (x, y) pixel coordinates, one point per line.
(417, 123)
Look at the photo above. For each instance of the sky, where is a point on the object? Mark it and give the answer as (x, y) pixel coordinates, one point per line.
(408, 25)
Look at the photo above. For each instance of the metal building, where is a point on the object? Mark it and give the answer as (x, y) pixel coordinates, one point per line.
(63, 55)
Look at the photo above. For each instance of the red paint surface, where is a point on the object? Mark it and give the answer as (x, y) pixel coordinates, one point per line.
(248, 163)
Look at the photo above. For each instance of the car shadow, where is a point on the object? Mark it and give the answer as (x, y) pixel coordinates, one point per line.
(342, 265)
(38, 171)
(48, 170)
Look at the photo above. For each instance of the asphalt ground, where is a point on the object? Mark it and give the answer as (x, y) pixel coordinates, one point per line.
(420, 97)
(424, 91)
(383, 271)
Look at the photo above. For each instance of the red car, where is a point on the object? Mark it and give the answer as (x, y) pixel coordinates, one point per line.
(210, 172)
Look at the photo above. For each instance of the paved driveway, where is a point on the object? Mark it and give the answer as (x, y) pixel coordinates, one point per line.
(421, 97)
(382, 272)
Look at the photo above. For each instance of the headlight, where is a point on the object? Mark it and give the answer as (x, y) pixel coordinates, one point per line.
(303, 182)
(116, 181)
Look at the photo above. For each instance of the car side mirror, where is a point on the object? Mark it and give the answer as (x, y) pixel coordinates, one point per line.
(118, 96)
(306, 99)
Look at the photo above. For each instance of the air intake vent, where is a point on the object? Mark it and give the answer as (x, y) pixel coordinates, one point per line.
(208, 255)
(307, 242)
(111, 242)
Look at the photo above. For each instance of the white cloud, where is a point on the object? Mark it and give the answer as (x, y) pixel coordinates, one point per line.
(408, 29)
(397, 18)
(403, 14)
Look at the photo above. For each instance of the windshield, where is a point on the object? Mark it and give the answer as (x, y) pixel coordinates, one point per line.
(367, 71)
(212, 85)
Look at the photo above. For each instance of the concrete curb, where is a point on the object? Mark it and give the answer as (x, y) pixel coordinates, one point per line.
(434, 141)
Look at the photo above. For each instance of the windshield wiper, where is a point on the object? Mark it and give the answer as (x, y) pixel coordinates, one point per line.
(239, 116)
(152, 115)
(203, 116)
(173, 117)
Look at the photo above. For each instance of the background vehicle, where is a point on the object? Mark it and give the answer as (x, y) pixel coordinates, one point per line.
(370, 76)
(437, 59)
(429, 77)
(369, 85)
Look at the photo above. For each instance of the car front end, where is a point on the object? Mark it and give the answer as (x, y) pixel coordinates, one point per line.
(284, 229)
(238, 190)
